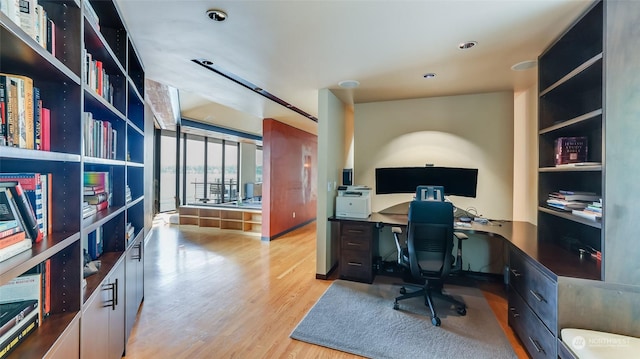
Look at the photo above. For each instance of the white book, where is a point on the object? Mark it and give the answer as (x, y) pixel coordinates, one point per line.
(15, 249)
(28, 17)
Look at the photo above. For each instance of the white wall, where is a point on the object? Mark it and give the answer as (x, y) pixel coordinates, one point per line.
(472, 131)
(332, 122)
(525, 155)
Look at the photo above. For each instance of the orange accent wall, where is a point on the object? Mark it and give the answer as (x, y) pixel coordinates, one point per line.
(290, 158)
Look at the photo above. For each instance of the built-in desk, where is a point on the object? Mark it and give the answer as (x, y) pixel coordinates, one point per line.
(534, 268)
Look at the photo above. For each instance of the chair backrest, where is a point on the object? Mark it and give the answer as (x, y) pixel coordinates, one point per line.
(430, 238)
(430, 193)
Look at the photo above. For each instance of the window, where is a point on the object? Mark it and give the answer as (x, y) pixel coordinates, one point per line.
(230, 171)
(167, 198)
(258, 164)
(194, 174)
(214, 170)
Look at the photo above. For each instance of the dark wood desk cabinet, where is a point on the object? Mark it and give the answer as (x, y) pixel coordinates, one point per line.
(533, 297)
(358, 248)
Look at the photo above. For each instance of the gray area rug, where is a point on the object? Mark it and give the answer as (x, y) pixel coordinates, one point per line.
(359, 318)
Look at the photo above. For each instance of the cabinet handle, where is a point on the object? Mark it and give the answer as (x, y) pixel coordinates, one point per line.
(515, 273)
(353, 244)
(139, 255)
(111, 302)
(355, 231)
(536, 345)
(514, 313)
(115, 295)
(355, 264)
(538, 297)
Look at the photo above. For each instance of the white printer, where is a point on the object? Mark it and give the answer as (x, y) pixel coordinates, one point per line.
(353, 201)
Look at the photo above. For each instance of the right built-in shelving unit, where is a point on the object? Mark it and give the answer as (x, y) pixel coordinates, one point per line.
(589, 87)
(571, 105)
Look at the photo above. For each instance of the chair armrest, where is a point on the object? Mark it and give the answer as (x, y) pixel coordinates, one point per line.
(397, 231)
(460, 235)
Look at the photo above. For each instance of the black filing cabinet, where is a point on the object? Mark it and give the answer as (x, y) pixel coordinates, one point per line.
(358, 248)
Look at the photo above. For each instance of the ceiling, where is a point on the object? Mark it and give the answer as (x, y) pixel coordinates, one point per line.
(294, 48)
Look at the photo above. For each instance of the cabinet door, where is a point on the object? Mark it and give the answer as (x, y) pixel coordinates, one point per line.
(116, 313)
(134, 286)
(94, 325)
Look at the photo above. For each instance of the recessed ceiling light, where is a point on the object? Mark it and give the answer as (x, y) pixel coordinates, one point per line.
(467, 45)
(257, 89)
(217, 15)
(207, 62)
(524, 65)
(430, 75)
(349, 84)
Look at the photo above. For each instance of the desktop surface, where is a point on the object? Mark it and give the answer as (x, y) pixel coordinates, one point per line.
(550, 257)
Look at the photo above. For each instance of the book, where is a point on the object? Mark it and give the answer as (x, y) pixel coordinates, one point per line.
(571, 150)
(9, 214)
(45, 124)
(37, 120)
(9, 231)
(11, 103)
(15, 249)
(32, 184)
(96, 198)
(8, 224)
(13, 312)
(28, 17)
(12, 239)
(575, 197)
(3, 113)
(25, 210)
(95, 243)
(18, 333)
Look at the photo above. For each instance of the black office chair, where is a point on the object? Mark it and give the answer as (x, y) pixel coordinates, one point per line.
(427, 255)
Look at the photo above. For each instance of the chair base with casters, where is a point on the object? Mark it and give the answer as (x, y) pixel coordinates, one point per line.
(428, 291)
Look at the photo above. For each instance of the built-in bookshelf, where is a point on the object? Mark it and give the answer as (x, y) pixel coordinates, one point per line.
(114, 144)
(570, 105)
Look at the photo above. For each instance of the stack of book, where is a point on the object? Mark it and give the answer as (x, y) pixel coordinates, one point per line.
(31, 17)
(25, 122)
(22, 310)
(96, 199)
(37, 189)
(18, 225)
(571, 200)
(593, 211)
(97, 193)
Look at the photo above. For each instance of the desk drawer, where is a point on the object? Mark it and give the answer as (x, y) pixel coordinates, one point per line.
(534, 335)
(356, 243)
(356, 265)
(354, 229)
(537, 290)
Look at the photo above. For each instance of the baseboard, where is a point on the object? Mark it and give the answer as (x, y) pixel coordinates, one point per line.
(267, 239)
(329, 274)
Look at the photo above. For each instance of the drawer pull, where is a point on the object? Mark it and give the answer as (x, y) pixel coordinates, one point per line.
(538, 297)
(515, 314)
(536, 345)
(515, 273)
(355, 231)
(353, 244)
(355, 264)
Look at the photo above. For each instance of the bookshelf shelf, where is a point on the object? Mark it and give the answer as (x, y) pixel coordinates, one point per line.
(60, 75)
(589, 168)
(570, 217)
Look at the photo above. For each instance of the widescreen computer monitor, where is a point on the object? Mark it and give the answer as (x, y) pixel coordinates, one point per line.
(456, 181)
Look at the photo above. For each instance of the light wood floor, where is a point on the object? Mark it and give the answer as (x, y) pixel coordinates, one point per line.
(222, 294)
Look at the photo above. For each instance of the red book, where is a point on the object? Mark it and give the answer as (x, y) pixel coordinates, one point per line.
(102, 205)
(99, 76)
(12, 239)
(45, 129)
